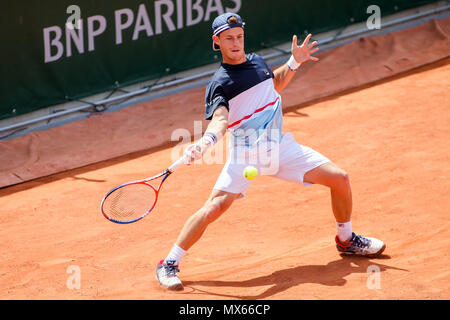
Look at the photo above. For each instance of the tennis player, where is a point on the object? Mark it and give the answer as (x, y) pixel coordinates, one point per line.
(243, 97)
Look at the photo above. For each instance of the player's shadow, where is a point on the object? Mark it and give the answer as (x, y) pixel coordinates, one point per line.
(331, 274)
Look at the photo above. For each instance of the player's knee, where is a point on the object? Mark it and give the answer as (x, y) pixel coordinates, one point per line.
(345, 177)
(341, 179)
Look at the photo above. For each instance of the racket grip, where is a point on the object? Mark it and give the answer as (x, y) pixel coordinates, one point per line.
(176, 164)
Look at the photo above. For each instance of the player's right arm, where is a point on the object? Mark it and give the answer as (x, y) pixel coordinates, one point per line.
(219, 122)
(214, 132)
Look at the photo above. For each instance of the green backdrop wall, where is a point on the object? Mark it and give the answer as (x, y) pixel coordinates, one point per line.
(45, 62)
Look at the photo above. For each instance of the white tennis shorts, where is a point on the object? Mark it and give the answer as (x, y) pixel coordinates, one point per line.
(287, 160)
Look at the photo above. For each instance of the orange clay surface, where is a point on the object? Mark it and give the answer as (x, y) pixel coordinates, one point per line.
(392, 137)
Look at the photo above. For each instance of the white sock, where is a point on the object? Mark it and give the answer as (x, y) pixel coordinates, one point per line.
(176, 254)
(344, 230)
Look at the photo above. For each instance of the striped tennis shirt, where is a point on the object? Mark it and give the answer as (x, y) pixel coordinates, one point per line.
(248, 92)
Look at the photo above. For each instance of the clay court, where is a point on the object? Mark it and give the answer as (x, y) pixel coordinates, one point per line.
(392, 137)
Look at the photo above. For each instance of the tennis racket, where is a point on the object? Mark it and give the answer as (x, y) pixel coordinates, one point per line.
(132, 201)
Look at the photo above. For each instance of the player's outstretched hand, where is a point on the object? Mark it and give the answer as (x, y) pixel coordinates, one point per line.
(304, 52)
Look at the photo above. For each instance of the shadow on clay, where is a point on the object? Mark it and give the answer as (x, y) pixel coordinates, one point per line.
(331, 274)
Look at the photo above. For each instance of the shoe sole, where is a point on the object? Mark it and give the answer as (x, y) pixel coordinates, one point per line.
(373, 255)
(177, 287)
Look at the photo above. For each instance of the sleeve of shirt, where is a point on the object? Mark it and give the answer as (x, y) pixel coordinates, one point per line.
(214, 98)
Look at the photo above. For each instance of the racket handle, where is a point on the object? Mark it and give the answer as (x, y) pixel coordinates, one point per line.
(176, 164)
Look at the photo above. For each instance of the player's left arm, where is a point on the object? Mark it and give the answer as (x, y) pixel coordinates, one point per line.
(300, 54)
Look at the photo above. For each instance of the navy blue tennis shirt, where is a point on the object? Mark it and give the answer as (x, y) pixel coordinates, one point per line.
(248, 92)
(230, 81)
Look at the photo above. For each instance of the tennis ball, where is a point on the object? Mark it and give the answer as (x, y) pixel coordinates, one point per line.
(250, 172)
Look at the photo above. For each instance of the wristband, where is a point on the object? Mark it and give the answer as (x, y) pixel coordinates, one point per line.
(210, 138)
(293, 64)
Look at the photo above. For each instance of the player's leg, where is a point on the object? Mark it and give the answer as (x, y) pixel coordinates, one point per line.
(338, 181)
(230, 185)
(303, 164)
(195, 226)
(347, 241)
(218, 202)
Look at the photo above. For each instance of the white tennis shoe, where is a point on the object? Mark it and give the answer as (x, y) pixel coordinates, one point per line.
(166, 274)
(360, 245)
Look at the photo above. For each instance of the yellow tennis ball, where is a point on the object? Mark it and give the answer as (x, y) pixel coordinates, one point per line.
(250, 172)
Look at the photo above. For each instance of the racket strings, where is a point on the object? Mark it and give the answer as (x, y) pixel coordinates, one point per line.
(129, 202)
